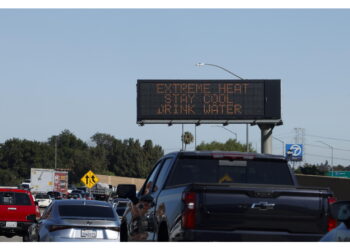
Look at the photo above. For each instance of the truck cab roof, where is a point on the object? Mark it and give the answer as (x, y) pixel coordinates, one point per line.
(228, 154)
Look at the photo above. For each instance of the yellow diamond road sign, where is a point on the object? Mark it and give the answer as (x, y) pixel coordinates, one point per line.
(89, 179)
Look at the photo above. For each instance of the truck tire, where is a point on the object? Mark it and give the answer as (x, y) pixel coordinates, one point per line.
(9, 235)
(163, 235)
(26, 237)
(123, 233)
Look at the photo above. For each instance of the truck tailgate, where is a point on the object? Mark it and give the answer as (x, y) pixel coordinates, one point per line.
(259, 207)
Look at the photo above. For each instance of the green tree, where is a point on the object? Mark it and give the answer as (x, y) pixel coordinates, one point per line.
(72, 154)
(8, 178)
(19, 156)
(309, 169)
(108, 156)
(187, 138)
(229, 145)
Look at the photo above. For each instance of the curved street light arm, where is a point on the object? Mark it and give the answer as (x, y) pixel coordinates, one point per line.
(214, 65)
(227, 130)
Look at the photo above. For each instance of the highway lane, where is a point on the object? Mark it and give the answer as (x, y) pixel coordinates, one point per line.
(13, 239)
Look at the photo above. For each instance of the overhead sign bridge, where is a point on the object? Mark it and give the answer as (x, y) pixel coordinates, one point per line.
(208, 101)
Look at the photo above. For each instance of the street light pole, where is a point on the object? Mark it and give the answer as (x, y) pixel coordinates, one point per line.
(217, 66)
(332, 149)
(281, 142)
(227, 130)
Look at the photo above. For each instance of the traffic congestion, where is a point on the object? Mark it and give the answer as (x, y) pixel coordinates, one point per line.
(55, 216)
(188, 196)
(110, 126)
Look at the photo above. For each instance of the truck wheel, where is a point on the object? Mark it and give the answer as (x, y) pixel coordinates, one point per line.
(26, 237)
(123, 233)
(9, 235)
(163, 233)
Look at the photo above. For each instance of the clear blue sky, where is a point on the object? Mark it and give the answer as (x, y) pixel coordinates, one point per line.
(77, 70)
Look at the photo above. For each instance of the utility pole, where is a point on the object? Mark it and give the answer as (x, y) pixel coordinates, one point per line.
(332, 149)
(230, 72)
(182, 138)
(55, 152)
(300, 139)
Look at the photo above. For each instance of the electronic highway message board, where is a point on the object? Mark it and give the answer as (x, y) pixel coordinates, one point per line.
(208, 101)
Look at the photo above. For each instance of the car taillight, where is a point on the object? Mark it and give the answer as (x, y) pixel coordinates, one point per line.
(189, 213)
(116, 229)
(331, 222)
(53, 228)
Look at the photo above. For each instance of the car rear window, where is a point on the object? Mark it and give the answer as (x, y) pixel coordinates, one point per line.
(13, 198)
(85, 211)
(208, 170)
(42, 196)
(122, 204)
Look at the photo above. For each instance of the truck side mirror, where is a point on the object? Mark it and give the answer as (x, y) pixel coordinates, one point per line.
(340, 210)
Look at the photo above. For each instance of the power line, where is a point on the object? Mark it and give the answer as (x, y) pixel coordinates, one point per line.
(329, 138)
(318, 146)
(323, 156)
(317, 136)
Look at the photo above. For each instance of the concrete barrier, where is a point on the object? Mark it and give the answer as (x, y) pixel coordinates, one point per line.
(115, 180)
(339, 186)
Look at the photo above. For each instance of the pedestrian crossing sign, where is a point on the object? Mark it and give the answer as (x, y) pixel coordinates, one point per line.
(89, 179)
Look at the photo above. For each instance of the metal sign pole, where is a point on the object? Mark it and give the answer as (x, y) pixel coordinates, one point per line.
(182, 138)
(266, 138)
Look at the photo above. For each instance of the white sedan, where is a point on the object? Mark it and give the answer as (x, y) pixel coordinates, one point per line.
(44, 200)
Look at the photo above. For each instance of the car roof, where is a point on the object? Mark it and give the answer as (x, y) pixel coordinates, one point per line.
(15, 190)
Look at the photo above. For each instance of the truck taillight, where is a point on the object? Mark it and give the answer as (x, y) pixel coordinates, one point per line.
(331, 222)
(189, 213)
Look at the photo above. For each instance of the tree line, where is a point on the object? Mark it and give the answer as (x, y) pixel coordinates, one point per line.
(108, 155)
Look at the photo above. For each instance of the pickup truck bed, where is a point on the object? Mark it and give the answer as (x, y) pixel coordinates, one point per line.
(257, 213)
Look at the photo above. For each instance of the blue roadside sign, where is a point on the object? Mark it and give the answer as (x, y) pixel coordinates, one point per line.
(294, 152)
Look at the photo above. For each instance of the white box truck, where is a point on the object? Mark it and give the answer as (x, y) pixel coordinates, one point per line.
(45, 180)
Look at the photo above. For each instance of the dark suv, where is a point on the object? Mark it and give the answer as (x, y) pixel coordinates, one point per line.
(55, 195)
(18, 211)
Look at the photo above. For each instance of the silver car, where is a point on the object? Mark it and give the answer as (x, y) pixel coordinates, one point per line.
(77, 220)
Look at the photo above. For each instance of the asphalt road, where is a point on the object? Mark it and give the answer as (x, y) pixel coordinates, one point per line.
(13, 239)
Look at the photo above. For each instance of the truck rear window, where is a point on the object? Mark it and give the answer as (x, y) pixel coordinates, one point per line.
(208, 170)
(13, 198)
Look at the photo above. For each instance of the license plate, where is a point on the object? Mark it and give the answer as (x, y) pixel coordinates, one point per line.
(89, 234)
(11, 224)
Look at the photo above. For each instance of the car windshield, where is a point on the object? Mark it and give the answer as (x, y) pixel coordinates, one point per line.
(12, 198)
(209, 170)
(86, 211)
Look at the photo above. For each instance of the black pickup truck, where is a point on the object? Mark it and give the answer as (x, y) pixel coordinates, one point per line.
(224, 196)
